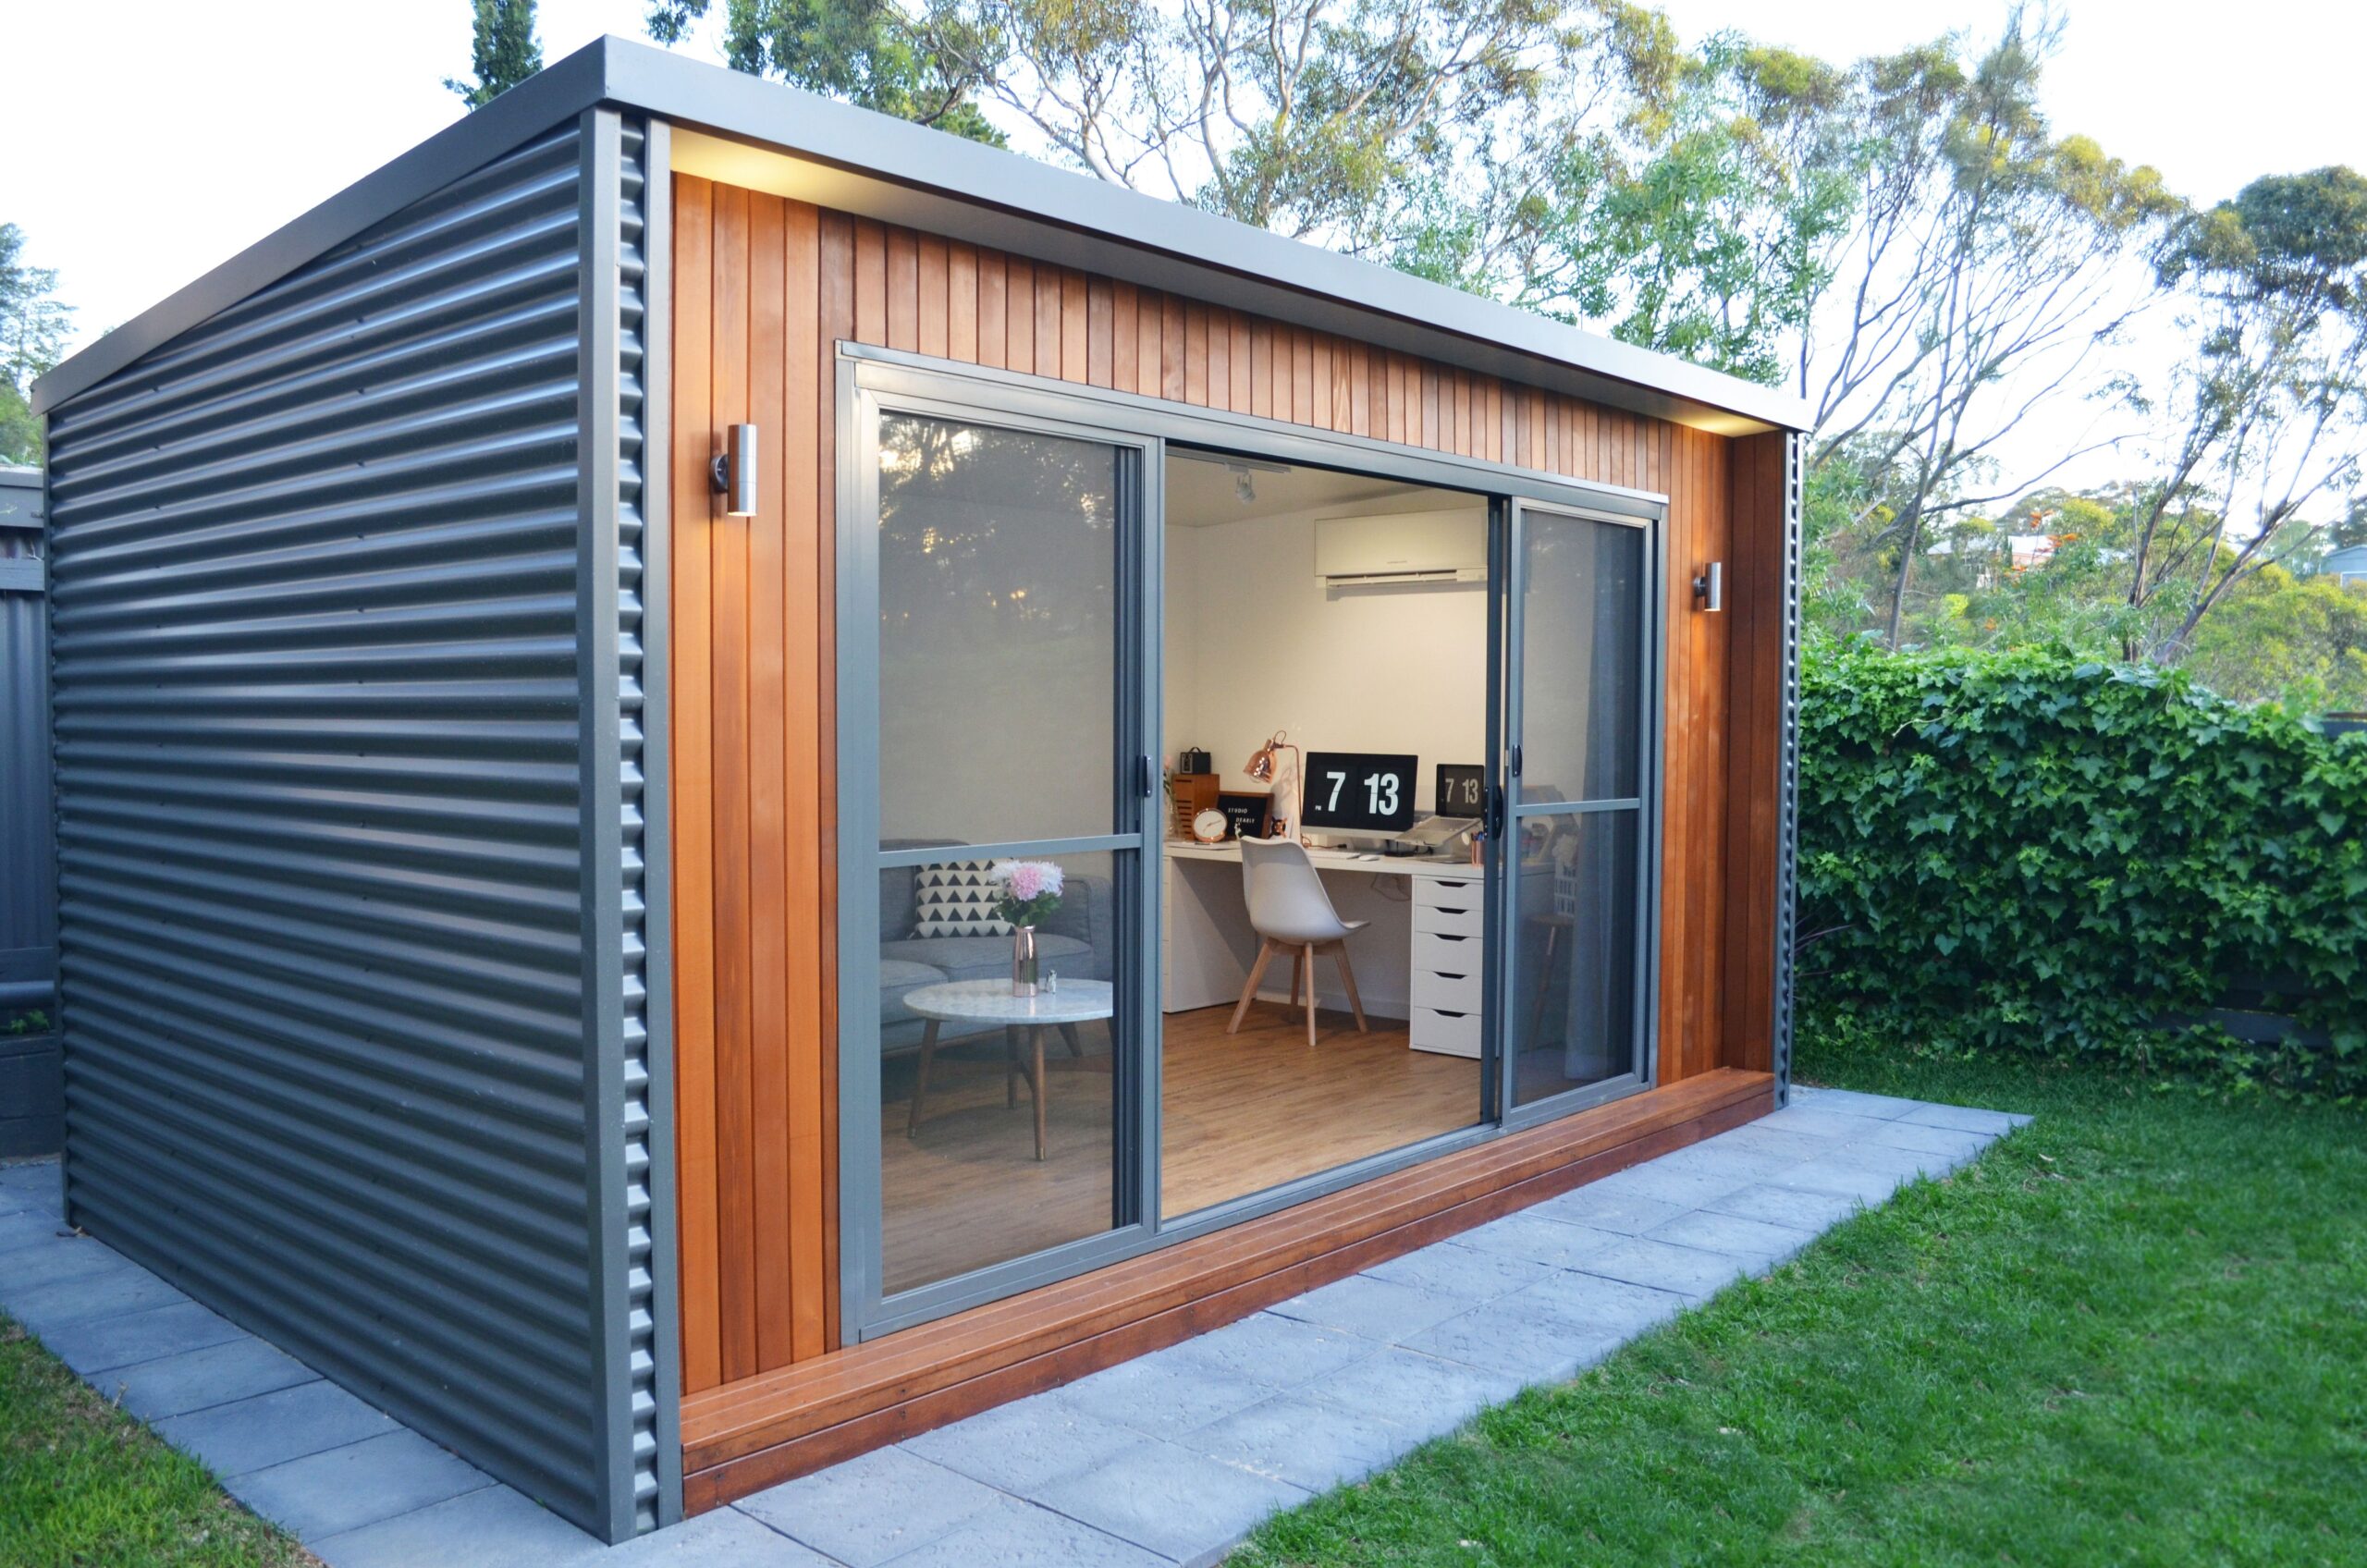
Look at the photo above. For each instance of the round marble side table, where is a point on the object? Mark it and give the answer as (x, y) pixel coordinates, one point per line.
(990, 1001)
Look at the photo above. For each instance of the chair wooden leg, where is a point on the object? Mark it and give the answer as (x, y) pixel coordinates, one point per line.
(1298, 972)
(1544, 984)
(1348, 978)
(1249, 990)
(1309, 961)
(1036, 1044)
(920, 1087)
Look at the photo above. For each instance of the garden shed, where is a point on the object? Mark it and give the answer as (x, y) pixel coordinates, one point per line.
(557, 653)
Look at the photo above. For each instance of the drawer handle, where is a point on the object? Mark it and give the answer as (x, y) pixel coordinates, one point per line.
(1444, 1012)
(1446, 936)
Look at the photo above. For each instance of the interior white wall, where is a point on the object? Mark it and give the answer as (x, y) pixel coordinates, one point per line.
(1257, 643)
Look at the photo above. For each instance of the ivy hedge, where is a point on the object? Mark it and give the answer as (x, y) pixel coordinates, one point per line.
(2035, 851)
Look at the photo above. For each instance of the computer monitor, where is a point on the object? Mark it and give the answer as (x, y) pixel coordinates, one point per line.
(1370, 792)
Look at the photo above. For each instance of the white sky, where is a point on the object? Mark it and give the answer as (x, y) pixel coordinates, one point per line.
(157, 137)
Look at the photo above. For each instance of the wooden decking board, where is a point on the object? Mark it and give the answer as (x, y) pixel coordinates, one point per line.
(744, 1436)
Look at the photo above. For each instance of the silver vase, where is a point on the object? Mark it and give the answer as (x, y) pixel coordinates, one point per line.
(1023, 960)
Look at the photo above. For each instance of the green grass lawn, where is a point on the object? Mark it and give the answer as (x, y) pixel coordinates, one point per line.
(2133, 1332)
(83, 1483)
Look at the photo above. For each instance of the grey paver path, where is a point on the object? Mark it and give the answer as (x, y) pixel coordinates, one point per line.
(1170, 1458)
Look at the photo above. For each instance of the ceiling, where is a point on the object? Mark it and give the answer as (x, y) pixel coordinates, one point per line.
(1202, 493)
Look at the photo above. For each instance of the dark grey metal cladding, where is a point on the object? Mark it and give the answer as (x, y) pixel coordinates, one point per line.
(328, 984)
(27, 870)
(1788, 828)
(624, 373)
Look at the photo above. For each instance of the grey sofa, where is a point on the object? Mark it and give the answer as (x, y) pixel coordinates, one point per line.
(1079, 940)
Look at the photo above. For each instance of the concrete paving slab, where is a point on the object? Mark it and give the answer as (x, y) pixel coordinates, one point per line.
(1638, 1260)
(1025, 1443)
(1280, 1352)
(1014, 1533)
(872, 1508)
(1522, 1336)
(1164, 1395)
(1559, 1244)
(1795, 1208)
(1964, 1119)
(1629, 1214)
(1372, 1309)
(1424, 1393)
(103, 1345)
(89, 1296)
(201, 1378)
(1470, 1274)
(724, 1539)
(491, 1524)
(274, 1428)
(1755, 1242)
(380, 1478)
(1170, 1500)
(63, 1258)
(1855, 1102)
(1307, 1441)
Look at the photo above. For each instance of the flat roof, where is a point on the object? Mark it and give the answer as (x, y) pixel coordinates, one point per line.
(880, 166)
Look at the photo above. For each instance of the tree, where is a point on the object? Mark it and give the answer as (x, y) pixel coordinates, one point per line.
(1335, 120)
(33, 325)
(503, 50)
(1984, 274)
(1702, 225)
(865, 52)
(2265, 414)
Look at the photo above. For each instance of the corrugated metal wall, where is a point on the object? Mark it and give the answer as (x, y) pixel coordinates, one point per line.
(340, 974)
(27, 874)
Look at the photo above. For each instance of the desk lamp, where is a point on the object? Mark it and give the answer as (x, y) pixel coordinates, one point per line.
(1262, 767)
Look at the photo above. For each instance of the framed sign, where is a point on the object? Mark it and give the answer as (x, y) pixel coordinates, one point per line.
(1246, 815)
(1359, 791)
(1461, 789)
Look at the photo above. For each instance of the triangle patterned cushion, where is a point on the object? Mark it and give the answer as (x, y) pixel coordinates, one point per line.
(954, 899)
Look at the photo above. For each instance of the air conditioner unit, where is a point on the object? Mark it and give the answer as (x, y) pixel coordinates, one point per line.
(1433, 547)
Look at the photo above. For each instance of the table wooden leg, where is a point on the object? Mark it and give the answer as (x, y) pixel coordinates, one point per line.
(1068, 1032)
(1036, 1044)
(920, 1087)
(1010, 1067)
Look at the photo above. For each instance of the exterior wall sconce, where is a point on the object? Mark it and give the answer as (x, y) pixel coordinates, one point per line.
(734, 471)
(1710, 588)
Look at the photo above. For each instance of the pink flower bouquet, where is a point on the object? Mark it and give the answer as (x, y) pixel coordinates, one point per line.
(1030, 890)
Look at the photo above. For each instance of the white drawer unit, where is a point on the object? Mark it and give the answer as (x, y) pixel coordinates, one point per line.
(1447, 980)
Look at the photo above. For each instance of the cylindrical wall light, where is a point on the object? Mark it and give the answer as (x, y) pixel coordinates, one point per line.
(1710, 588)
(735, 471)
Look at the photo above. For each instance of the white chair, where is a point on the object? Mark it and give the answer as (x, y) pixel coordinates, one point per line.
(1291, 912)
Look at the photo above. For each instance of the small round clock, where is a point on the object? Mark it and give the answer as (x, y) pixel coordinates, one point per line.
(1210, 827)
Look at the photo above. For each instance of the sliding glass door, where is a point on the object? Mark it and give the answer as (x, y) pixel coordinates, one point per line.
(1578, 722)
(997, 570)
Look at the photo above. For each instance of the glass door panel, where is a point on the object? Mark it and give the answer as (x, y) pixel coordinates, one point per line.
(1577, 716)
(1006, 796)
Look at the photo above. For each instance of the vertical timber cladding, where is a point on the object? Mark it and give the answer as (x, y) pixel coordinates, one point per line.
(764, 288)
(349, 940)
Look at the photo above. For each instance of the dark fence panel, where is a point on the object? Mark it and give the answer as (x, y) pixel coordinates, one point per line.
(31, 1083)
(27, 863)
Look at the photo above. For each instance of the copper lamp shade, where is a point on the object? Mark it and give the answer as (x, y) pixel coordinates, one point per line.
(1262, 765)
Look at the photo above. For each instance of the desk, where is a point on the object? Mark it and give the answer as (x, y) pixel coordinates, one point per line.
(1420, 958)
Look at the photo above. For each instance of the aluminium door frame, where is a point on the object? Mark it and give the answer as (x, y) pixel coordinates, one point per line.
(1016, 400)
(1645, 803)
(866, 1310)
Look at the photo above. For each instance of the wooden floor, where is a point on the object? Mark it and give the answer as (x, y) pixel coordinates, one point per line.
(1240, 1113)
